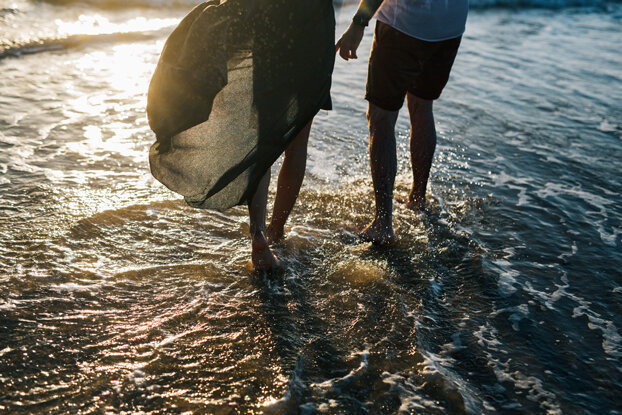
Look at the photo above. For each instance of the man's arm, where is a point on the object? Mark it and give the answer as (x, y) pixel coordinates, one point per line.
(351, 38)
(366, 10)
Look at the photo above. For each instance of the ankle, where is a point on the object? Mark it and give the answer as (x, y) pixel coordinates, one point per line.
(258, 240)
(378, 233)
(383, 220)
(275, 226)
(417, 199)
(274, 233)
(257, 230)
(417, 192)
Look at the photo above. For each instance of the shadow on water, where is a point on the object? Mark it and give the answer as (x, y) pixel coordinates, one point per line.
(298, 332)
(386, 310)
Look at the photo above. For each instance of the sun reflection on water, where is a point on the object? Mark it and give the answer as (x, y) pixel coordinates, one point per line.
(97, 24)
(126, 71)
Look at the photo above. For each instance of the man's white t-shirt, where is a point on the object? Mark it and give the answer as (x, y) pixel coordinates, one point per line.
(431, 20)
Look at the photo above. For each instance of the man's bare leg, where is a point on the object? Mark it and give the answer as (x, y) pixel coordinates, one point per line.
(290, 180)
(383, 163)
(422, 146)
(262, 257)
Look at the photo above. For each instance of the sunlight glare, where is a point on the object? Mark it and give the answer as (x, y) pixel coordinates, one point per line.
(100, 25)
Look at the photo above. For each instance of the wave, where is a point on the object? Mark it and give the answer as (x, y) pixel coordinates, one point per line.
(119, 4)
(546, 4)
(517, 4)
(477, 4)
(73, 41)
(12, 45)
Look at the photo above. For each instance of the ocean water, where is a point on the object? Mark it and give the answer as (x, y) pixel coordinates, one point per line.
(504, 297)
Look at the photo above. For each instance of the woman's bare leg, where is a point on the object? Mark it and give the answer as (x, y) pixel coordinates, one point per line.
(290, 180)
(263, 259)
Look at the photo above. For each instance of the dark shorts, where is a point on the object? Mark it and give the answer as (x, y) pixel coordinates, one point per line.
(399, 64)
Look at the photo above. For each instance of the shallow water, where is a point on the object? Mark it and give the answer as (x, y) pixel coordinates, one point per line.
(505, 297)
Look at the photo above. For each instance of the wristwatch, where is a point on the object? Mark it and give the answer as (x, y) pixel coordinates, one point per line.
(360, 20)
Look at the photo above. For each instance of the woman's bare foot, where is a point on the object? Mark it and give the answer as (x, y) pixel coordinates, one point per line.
(263, 259)
(274, 233)
(377, 233)
(416, 204)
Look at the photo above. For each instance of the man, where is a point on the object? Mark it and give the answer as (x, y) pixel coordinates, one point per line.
(415, 43)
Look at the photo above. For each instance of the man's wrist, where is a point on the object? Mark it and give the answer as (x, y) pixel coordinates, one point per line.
(359, 20)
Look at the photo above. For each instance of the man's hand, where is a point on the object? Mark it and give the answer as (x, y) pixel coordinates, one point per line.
(350, 41)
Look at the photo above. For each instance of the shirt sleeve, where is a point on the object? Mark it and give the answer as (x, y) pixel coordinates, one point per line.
(366, 10)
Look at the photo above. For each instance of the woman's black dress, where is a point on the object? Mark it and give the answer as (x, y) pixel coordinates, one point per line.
(236, 81)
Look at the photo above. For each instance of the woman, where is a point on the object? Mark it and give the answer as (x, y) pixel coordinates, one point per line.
(238, 84)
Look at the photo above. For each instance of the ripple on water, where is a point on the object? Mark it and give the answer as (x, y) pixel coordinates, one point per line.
(185, 316)
(503, 297)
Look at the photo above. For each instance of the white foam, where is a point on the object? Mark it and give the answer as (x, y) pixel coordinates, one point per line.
(505, 371)
(279, 406)
(606, 127)
(598, 217)
(453, 346)
(548, 300)
(507, 277)
(138, 377)
(612, 340)
(519, 312)
(73, 287)
(7, 305)
(410, 400)
(336, 384)
(326, 406)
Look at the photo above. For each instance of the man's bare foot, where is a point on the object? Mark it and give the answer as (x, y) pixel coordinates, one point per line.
(263, 259)
(274, 233)
(418, 205)
(377, 233)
